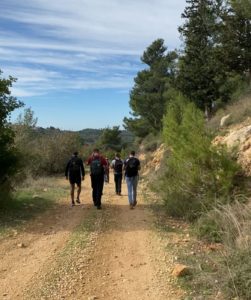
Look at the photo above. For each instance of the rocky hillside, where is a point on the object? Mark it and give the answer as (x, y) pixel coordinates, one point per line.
(239, 137)
(152, 161)
(235, 128)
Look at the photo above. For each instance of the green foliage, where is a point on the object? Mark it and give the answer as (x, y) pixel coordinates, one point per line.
(138, 126)
(198, 173)
(208, 229)
(197, 67)
(235, 37)
(27, 119)
(31, 199)
(46, 151)
(238, 280)
(43, 152)
(242, 7)
(8, 154)
(213, 66)
(91, 136)
(239, 111)
(53, 151)
(147, 99)
(216, 53)
(151, 142)
(110, 139)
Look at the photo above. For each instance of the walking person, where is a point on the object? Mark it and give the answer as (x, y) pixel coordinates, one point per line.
(75, 173)
(132, 167)
(97, 165)
(117, 166)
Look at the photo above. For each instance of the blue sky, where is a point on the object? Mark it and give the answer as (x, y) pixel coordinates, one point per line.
(75, 60)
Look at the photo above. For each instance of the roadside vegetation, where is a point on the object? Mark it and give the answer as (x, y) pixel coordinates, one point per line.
(29, 200)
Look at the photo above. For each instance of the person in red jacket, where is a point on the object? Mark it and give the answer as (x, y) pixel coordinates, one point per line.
(97, 165)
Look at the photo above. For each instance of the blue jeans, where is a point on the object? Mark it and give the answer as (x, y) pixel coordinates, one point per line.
(132, 183)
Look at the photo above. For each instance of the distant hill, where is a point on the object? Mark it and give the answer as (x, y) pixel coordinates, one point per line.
(88, 135)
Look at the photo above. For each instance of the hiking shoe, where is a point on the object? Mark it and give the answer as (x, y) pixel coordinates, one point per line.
(99, 207)
(135, 203)
(78, 201)
(72, 204)
(131, 206)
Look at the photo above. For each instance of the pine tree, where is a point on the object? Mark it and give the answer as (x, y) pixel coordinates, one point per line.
(147, 98)
(235, 37)
(199, 72)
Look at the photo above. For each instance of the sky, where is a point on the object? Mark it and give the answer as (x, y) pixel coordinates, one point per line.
(75, 61)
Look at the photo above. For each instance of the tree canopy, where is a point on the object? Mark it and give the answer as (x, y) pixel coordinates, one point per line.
(147, 97)
(8, 155)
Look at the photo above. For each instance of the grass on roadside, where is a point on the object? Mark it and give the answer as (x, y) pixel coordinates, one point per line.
(239, 111)
(180, 241)
(217, 269)
(33, 198)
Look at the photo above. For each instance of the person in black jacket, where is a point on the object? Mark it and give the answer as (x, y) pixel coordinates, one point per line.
(75, 172)
(97, 164)
(117, 166)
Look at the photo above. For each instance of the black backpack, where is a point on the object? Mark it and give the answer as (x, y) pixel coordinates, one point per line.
(96, 167)
(118, 166)
(132, 165)
(74, 167)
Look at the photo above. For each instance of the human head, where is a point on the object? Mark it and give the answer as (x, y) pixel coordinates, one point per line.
(132, 153)
(96, 152)
(117, 155)
(75, 153)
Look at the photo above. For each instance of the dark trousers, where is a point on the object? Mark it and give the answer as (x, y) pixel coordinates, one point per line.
(97, 188)
(118, 181)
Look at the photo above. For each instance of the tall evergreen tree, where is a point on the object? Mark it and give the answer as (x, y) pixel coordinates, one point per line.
(198, 70)
(242, 6)
(235, 37)
(147, 98)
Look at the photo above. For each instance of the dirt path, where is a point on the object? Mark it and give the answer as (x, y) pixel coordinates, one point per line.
(124, 258)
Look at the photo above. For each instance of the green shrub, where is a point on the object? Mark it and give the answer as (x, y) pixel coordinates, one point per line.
(208, 229)
(45, 154)
(198, 173)
(229, 223)
(151, 142)
(238, 283)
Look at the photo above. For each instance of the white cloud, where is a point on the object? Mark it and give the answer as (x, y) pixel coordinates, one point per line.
(117, 23)
(57, 45)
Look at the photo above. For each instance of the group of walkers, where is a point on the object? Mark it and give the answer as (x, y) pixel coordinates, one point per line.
(99, 172)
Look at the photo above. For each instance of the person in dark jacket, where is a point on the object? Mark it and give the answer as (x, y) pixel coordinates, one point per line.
(75, 173)
(117, 166)
(97, 165)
